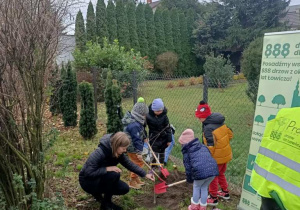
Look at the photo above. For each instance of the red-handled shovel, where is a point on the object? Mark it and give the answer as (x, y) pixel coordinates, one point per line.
(162, 187)
(164, 171)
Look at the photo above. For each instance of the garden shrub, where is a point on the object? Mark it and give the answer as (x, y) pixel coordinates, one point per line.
(167, 63)
(219, 71)
(170, 85)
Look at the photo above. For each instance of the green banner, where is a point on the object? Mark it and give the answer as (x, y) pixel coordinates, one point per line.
(278, 88)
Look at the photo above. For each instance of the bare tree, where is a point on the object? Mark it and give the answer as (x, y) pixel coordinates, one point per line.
(29, 35)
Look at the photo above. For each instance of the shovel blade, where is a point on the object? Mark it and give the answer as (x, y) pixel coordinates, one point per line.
(160, 188)
(164, 172)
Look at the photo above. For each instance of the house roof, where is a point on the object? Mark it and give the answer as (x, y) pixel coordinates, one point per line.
(293, 16)
(154, 4)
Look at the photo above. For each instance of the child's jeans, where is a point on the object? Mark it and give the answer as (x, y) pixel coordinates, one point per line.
(169, 149)
(219, 180)
(200, 190)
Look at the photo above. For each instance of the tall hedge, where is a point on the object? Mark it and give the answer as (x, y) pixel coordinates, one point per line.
(168, 30)
(176, 30)
(133, 36)
(122, 24)
(150, 32)
(101, 21)
(142, 29)
(90, 23)
(111, 21)
(80, 36)
(159, 32)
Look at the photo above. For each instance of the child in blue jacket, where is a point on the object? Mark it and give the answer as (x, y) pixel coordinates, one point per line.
(200, 168)
(134, 126)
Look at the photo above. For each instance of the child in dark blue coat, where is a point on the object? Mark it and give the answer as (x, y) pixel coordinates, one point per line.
(200, 168)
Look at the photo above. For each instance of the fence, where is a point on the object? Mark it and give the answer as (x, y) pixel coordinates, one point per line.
(181, 97)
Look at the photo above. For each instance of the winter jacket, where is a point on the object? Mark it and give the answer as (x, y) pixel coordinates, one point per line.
(102, 157)
(136, 132)
(198, 162)
(216, 135)
(157, 124)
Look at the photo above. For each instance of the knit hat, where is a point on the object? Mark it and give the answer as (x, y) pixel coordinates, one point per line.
(186, 136)
(157, 105)
(139, 111)
(203, 110)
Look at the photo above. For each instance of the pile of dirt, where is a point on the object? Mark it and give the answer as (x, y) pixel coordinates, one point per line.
(172, 199)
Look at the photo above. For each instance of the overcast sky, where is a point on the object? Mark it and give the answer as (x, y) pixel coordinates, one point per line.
(83, 7)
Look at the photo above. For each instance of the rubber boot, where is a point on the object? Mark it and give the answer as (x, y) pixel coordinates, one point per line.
(194, 206)
(139, 181)
(133, 184)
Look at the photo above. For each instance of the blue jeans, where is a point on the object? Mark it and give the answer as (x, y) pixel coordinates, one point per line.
(200, 190)
(169, 149)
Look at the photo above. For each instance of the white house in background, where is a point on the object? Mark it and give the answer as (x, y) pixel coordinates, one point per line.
(293, 17)
(66, 47)
(153, 5)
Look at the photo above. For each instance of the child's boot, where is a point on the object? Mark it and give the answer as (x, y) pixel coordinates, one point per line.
(194, 206)
(139, 181)
(133, 184)
(202, 206)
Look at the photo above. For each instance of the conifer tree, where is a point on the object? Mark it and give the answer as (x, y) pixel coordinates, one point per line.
(111, 21)
(190, 19)
(69, 97)
(184, 65)
(113, 104)
(133, 36)
(90, 23)
(61, 88)
(159, 31)
(55, 83)
(168, 30)
(87, 122)
(141, 29)
(150, 32)
(101, 21)
(80, 36)
(176, 30)
(122, 24)
(192, 60)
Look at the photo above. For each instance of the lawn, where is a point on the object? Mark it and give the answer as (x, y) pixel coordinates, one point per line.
(68, 150)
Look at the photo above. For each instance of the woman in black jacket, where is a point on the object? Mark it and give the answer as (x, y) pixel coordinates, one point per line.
(100, 174)
(160, 134)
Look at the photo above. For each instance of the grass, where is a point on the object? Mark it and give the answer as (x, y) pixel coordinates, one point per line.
(66, 156)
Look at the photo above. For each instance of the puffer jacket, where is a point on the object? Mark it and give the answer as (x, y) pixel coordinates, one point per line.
(102, 157)
(198, 162)
(217, 136)
(159, 127)
(136, 132)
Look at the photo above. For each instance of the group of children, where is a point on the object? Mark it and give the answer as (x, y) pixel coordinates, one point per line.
(205, 163)
(160, 133)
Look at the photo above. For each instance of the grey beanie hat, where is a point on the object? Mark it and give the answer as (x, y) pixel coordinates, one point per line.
(140, 108)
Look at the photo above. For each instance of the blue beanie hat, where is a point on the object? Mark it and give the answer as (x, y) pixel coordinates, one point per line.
(157, 105)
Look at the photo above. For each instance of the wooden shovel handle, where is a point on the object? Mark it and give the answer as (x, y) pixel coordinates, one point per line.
(176, 183)
(151, 169)
(152, 152)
